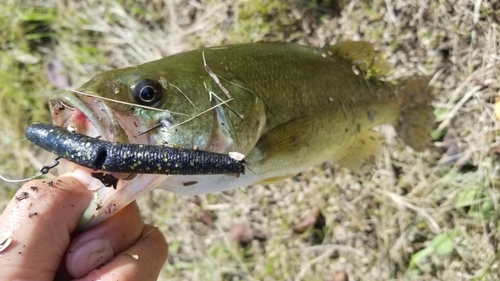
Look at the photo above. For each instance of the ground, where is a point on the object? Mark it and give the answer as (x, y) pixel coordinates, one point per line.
(413, 216)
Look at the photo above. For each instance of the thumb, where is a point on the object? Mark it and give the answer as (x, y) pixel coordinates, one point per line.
(39, 221)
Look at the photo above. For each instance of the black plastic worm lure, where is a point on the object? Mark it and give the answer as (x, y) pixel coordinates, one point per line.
(130, 158)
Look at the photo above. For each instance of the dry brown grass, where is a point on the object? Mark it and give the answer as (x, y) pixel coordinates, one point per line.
(374, 224)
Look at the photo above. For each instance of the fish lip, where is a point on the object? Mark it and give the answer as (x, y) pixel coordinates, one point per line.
(93, 117)
(85, 108)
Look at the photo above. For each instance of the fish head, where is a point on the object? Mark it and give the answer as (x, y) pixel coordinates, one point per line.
(165, 102)
(125, 105)
(147, 104)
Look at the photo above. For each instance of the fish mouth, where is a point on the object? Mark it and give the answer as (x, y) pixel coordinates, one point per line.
(89, 115)
(86, 115)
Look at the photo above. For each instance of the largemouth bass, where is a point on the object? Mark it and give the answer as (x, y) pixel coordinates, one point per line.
(284, 107)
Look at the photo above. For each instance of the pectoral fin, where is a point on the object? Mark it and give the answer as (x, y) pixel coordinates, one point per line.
(282, 150)
(286, 138)
(287, 149)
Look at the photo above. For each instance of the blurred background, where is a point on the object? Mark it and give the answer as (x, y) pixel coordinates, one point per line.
(414, 216)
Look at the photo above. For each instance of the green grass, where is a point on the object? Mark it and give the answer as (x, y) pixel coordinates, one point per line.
(419, 216)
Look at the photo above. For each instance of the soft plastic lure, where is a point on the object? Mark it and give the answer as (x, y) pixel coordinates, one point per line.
(130, 158)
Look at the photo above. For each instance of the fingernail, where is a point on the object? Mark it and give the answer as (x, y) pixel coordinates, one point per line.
(87, 256)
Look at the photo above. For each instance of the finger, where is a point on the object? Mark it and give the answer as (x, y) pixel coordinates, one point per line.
(142, 261)
(100, 244)
(39, 220)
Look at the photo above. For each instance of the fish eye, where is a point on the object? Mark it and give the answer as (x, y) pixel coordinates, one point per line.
(148, 92)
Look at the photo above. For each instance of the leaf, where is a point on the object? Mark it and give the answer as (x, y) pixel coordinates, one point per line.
(440, 114)
(438, 134)
(443, 244)
(487, 207)
(466, 197)
(419, 256)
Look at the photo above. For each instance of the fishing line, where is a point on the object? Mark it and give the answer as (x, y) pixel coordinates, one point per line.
(22, 180)
(44, 170)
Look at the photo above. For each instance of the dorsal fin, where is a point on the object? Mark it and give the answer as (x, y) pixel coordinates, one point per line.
(363, 55)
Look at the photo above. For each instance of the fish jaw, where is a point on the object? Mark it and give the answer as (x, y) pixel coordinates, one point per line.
(90, 116)
(107, 201)
(84, 114)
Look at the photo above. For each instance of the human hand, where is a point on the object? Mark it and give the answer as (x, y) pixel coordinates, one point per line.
(40, 221)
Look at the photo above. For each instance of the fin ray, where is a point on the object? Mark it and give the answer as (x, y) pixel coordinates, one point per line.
(364, 55)
(417, 115)
(363, 151)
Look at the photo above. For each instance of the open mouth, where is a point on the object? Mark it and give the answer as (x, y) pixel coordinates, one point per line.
(141, 164)
(85, 115)
(91, 116)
